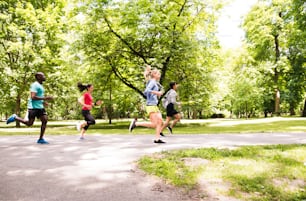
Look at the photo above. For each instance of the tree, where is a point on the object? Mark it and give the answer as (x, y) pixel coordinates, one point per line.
(246, 95)
(296, 76)
(177, 37)
(29, 42)
(271, 38)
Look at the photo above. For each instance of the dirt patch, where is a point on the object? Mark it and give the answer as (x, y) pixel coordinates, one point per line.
(159, 185)
(290, 185)
(205, 190)
(214, 188)
(209, 189)
(195, 162)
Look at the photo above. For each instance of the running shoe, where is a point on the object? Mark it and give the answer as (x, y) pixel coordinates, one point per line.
(42, 141)
(132, 125)
(161, 134)
(82, 138)
(11, 119)
(169, 129)
(78, 126)
(159, 141)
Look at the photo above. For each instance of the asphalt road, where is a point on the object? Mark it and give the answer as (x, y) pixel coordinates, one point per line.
(102, 168)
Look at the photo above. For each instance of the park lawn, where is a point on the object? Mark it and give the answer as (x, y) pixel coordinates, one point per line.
(208, 126)
(261, 173)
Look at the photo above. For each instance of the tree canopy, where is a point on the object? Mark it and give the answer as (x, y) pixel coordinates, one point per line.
(108, 42)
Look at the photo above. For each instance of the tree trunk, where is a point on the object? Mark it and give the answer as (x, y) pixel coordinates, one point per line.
(200, 114)
(110, 109)
(266, 113)
(304, 110)
(17, 111)
(246, 110)
(277, 102)
(276, 75)
(194, 114)
(292, 111)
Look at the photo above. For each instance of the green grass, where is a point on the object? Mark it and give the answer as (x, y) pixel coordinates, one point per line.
(208, 126)
(260, 173)
(170, 168)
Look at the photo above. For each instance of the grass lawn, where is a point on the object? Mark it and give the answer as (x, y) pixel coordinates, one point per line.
(208, 126)
(261, 173)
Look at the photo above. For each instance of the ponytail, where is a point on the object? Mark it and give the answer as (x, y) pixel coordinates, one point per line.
(82, 87)
(147, 73)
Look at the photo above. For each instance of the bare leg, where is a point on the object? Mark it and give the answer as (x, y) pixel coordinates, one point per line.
(44, 120)
(177, 118)
(168, 119)
(146, 124)
(28, 123)
(159, 125)
(82, 129)
(83, 132)
(157, 120)
(89, 120)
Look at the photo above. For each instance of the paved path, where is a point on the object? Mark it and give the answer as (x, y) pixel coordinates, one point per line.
(101, 168)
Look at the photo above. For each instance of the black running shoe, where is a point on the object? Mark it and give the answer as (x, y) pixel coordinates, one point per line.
(161, 134)
(170, 129)
(159, 141)
(132, 125)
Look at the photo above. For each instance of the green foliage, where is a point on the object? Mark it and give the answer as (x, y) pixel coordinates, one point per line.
(30, 41)
(276, 40)
(296, 76)
(121, 38)
(107, 43)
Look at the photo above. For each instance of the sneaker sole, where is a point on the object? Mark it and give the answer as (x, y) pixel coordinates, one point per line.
(159, 142)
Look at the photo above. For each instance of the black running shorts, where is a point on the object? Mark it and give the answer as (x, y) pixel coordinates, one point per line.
(36, 113)
(170, 110)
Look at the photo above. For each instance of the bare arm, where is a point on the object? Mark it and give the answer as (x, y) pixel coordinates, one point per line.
(35, 97)
(158, 93)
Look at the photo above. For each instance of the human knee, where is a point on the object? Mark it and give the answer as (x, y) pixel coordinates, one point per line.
(29, 123)
(44, 120)
(160, 121)
(91, 122)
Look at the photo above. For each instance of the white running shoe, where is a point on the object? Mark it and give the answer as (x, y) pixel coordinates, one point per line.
(132, 125)
(78, 126)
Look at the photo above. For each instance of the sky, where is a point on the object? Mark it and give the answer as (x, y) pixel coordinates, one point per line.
(229, 33)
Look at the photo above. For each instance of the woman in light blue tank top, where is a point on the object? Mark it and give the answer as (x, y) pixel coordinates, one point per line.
(152, 92)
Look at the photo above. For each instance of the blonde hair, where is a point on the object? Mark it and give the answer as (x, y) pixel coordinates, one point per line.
(147, 72)
(154, 71)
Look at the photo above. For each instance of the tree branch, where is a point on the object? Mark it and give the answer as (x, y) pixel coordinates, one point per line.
(123, 40)
(123, 79)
